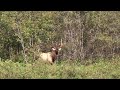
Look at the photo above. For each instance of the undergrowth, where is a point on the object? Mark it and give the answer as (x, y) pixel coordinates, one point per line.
(101, 69)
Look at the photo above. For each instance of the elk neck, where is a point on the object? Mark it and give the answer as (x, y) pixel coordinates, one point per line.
(54, 55)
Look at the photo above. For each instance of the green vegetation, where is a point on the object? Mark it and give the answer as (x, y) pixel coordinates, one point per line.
(90, 40)
(101, 69)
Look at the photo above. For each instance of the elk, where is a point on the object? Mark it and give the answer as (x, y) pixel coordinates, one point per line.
(50, 56)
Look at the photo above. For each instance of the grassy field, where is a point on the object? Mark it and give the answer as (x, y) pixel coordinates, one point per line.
(101, 69)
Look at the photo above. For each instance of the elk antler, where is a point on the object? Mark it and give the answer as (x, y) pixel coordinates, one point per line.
(61, 43)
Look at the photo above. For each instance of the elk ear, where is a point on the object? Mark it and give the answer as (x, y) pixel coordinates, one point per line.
(59, 49)
(53, 48)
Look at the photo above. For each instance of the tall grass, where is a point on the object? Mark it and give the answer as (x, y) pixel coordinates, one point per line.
(102, 69)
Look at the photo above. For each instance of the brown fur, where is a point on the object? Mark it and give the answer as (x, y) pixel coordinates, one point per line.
(54, 55)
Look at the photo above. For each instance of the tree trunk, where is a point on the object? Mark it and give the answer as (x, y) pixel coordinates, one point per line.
(22, 43)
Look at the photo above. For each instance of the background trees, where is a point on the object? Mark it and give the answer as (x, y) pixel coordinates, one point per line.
(85, 34)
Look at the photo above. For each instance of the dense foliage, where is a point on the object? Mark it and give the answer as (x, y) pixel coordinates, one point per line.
(85, 34)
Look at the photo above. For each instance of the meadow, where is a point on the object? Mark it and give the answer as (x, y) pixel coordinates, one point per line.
(65, 69)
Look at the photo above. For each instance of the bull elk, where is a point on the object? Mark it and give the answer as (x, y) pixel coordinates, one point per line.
(50, 56)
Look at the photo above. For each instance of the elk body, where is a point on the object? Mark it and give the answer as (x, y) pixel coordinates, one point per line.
(50, 56)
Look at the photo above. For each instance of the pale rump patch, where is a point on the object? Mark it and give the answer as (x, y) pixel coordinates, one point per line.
(46, 57)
